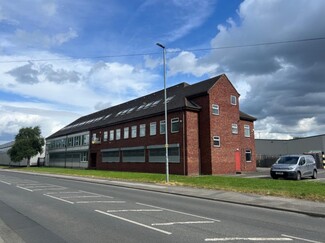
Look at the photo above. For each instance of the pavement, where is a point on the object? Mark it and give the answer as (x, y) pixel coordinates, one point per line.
(315, 209)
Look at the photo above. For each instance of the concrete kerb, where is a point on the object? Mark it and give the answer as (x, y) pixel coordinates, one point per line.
(310, 208)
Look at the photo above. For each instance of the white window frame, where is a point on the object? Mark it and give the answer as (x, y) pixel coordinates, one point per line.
(142, 132)
(172, 122)
(134, 131)
(248, 151)
(233, 100)
(162, 127)
(153, 128)
(111, 135)
(215, 109)
(234, 128)
(105, 136)
(118, 134)
(216, 139)
(247, 131)
(126, 132)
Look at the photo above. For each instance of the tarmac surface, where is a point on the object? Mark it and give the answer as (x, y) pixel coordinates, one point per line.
(315, 209)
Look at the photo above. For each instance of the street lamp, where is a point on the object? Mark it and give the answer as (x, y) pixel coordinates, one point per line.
(166, 121)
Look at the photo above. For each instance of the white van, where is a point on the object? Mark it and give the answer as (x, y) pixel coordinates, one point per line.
(294, 166)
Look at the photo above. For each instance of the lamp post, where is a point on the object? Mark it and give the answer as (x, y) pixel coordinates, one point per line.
(166, 121)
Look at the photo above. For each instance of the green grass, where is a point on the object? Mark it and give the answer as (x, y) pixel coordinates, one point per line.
(308, 190)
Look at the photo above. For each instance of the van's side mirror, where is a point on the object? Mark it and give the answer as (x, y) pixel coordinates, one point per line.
(302, 162)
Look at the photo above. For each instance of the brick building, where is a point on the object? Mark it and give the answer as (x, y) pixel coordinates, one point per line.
(207, 133)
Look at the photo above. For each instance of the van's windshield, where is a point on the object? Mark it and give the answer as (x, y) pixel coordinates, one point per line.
(289, 160)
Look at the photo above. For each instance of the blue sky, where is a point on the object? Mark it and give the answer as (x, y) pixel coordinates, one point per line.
(61, 59)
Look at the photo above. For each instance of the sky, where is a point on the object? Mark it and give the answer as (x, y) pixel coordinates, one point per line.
(62, 59)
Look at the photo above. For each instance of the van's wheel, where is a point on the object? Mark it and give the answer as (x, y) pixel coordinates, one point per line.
(314, 174)
(298, 176)
(274, 176)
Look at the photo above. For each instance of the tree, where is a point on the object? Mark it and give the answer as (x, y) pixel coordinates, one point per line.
(28, 143)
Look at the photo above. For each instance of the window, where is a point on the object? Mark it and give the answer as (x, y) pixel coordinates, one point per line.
(111, 135)
(248, 154)
(153, 128)
(157, 153)
(134, 131)
(133, 154)
(215, 109)
(84, 157)
(247, 131)
(77, 141)
(216, 141)
(162, 127)
(85, 139)
(110, 155)
(142, 130)
(126, 132)
(105, 136)
(70, 141)
(234, 129)
(118, 134)
(233, 100)
(175, 125)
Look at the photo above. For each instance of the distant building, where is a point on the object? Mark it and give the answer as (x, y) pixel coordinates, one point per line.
(208, 134)
(5, 158)
(266, 149)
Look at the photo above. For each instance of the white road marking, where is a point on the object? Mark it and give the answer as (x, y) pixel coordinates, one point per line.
(25, 188)
(188, 222)
(58, 198)
(100, 202)
(49, 188)
(249, 239)
(297, 238)
(5, 182)
(134, 210)
(189, 214)
(134, 222)
(61, 192)
(81, 196)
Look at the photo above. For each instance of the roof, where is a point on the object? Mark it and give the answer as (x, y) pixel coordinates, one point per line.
(178, 98)
(246, 117)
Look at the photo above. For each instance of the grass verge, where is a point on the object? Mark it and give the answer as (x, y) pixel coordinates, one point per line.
(308, 190)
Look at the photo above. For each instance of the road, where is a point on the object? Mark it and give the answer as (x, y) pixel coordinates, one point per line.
(45, 209)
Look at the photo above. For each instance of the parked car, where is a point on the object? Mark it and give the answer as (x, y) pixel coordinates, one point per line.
(294, 166)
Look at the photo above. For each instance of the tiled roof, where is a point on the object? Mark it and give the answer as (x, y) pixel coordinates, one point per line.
(178, 97)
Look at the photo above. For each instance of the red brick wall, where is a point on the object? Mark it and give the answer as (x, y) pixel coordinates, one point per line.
(247, 143)
(223, 157)
(158, 139)
(192, 146)
(204, 135)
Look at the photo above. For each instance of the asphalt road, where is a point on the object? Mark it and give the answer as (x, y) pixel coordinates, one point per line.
(44, 209)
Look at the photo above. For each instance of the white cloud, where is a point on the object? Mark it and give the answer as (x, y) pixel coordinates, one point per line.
(49, 8)
(187, 63)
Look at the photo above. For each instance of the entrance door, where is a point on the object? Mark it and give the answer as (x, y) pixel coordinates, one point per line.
(93, 159)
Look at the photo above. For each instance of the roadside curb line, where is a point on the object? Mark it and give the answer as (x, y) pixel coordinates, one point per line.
(139, 187)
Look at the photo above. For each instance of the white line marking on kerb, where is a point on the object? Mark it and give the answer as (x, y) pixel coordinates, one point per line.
(189, 214)
(297, 238)
(5, 182)
(133, 222)
(134, 210)
(249, 239)
(188, 222)
(59, 199)
(100, 202)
